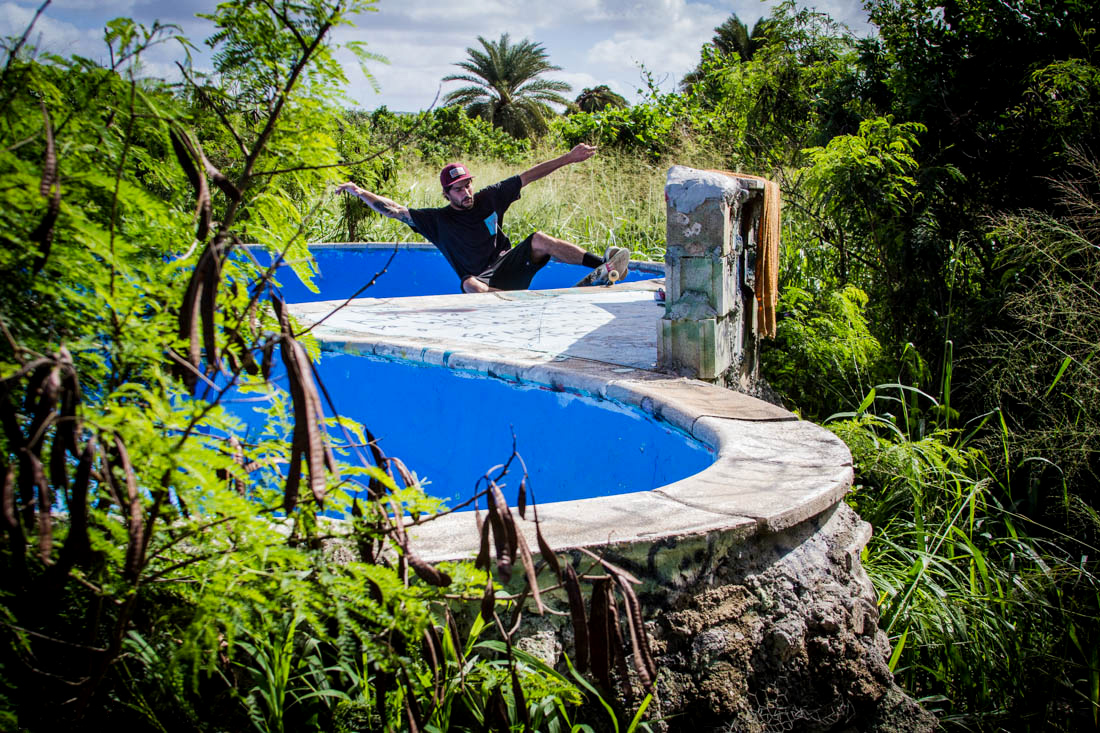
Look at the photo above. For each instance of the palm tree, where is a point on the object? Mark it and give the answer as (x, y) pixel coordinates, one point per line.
(506, 90)
(732, 38)
(598, 98)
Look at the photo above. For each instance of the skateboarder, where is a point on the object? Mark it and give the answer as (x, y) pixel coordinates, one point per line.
(468, 230)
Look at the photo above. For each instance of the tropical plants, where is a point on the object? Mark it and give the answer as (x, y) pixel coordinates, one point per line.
(991, 616)
(442, 134)
(505, 88)
(1041, 367)
(731, 39)
(828, 337)
(161, 568)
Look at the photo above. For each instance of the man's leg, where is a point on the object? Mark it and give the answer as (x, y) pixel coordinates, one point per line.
(543, 247)
(610, 268)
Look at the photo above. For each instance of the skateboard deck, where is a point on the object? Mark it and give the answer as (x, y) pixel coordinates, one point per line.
(615, 275)
(587, 281)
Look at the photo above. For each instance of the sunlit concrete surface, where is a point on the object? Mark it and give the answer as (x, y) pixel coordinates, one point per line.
(615, 325)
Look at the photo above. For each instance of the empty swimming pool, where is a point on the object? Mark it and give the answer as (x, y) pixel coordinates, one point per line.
(450, 426)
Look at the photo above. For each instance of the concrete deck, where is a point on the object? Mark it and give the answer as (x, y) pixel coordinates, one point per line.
(772, 470)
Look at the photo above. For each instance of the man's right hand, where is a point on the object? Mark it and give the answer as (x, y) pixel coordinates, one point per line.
(581, 152)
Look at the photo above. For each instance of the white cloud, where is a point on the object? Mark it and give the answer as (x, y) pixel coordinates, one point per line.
(113, 7)
(669, 54)
(594, 41)
(49, 35)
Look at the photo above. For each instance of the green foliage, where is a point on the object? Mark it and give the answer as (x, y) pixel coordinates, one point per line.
(98, 223)
(1042, 366)
(977, 600)
(647, 127)
(828, 338)
(989, 82)
(871, 170)
(765, 111)
(863, 187)
(754, 112)
(732, 38)
(505, 87)
(441, 135)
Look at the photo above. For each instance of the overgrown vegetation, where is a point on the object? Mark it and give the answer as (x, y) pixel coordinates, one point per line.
(938, 241)
(938, 282)
(159, 570)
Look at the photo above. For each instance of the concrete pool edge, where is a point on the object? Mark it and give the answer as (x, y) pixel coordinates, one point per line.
(772, 471)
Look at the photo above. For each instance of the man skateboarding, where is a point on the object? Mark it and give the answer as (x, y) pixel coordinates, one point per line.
(468, 230)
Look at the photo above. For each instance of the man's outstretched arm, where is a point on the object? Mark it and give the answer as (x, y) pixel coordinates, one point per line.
(381, 204)
(576, 155)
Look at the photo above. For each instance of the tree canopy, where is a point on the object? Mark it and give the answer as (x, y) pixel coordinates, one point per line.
(594, 99)
(733, 40)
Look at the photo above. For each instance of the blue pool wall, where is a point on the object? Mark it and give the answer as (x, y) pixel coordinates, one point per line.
(451, 426)
(416, 269)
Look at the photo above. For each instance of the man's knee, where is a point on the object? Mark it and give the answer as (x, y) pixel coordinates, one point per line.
(541, 242)
(542, 245)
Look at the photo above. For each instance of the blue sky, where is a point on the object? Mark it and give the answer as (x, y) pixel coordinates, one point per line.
(594, 41)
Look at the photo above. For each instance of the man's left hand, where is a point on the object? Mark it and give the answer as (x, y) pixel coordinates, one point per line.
(581, 151)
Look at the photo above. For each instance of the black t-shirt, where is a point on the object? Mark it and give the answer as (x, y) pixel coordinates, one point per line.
(470, 239)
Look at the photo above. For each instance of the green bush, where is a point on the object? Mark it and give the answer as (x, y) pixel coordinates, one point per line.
(823, 353)
(441, 135)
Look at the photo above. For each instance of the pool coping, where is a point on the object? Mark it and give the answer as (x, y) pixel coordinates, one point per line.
(771, 470)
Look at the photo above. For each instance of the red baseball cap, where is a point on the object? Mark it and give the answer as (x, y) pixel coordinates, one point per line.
(453, 174)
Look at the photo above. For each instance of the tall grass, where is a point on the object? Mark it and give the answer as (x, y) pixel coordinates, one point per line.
(991, 617)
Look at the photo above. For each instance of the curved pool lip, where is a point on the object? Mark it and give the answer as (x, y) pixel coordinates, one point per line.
(771, 472)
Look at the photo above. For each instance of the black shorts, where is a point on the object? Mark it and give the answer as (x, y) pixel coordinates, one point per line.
(513, 270)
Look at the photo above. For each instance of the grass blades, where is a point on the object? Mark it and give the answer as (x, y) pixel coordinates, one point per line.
(987, 611)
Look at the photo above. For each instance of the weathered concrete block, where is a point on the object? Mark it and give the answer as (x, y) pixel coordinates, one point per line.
(702, 206)
(712, 225)
(708, 230)
(686, 188)
(694, 347)
(707, 282)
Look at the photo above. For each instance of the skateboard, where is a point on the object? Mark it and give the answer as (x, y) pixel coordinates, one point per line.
(619, 263)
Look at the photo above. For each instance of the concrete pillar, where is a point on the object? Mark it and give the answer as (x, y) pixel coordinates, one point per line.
(709, 327)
